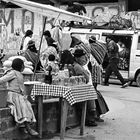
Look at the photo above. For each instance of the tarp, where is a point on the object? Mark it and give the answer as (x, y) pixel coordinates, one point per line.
(48, 10)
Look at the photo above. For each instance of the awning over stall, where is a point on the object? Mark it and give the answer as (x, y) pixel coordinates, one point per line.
(48, 10)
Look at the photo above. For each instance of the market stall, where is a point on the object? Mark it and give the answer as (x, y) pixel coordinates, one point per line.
(68, 95)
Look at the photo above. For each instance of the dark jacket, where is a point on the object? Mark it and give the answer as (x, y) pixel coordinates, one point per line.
(113, 51)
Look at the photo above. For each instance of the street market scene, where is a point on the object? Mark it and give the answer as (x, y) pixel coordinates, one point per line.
(69, 70)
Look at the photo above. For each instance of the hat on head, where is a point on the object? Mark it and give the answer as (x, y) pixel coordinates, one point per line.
(92, 38)
(79, 53)
(31, 43)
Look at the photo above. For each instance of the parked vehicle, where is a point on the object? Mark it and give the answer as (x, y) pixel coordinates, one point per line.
(129, 64)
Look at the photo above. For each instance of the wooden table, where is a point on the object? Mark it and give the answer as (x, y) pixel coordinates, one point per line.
(67, 95)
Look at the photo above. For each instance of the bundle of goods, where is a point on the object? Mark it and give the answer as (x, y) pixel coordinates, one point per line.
(28, 70)
(98, 50)
(117, 22)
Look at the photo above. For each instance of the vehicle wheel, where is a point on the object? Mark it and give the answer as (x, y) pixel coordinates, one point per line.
(138, 80)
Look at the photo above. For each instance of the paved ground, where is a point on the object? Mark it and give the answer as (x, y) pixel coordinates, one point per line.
(121, 122)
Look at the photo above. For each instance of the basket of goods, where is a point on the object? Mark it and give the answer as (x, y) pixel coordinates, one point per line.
(28, 70)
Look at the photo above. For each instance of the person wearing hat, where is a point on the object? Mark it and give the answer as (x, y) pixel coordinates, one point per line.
(96, 72)
(26, 39)
(81, 68)
(95, 59)
(80, 61)
(48, 37)
(92, 39)
(31, 55)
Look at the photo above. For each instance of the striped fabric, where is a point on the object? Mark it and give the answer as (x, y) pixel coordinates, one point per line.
(84, 47)
(96, 74)
(98, 50)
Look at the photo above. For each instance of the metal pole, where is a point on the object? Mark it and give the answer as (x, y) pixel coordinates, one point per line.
(38, 54)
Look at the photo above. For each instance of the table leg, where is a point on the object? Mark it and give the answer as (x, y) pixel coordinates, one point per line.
(84, 108)
(40, 115)
(64, 110)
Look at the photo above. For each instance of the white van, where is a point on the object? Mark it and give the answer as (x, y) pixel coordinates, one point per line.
(129, 67)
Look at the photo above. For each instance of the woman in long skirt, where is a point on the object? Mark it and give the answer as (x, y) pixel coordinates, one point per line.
(96, 71)
(20, 107)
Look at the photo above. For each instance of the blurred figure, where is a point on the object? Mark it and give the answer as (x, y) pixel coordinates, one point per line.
(1, 57)
(57, 36)
(53, 64)
(76, 8)
(113, 54)
(124, 54)
(31, 55)
(120, 45)
(48, 38)
(49, 50)
(26, 39)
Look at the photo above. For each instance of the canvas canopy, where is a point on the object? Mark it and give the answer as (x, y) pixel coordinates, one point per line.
(48, 10)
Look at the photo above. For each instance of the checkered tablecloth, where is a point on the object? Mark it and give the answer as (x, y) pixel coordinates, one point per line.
(72, 94)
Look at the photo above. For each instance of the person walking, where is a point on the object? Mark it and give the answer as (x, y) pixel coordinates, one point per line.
(113, 54)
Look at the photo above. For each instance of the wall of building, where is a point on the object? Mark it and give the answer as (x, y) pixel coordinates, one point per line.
(18, 20)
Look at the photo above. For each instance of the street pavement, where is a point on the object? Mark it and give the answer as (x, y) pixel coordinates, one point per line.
(120, 123)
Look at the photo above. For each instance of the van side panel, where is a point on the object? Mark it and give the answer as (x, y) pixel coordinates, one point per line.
(135, 55)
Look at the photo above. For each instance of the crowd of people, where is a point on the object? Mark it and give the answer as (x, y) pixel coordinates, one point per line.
(80, 59)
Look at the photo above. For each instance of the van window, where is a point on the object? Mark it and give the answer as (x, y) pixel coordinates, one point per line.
(138, 48)
(84, 37)
(124, 49)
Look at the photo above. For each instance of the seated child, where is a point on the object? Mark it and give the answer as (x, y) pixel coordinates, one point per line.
(52, 65)
(21, 108)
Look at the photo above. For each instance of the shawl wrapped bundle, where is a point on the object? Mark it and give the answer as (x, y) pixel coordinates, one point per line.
(98, 50)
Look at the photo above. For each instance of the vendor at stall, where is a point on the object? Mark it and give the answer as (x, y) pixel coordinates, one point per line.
(77, 62)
